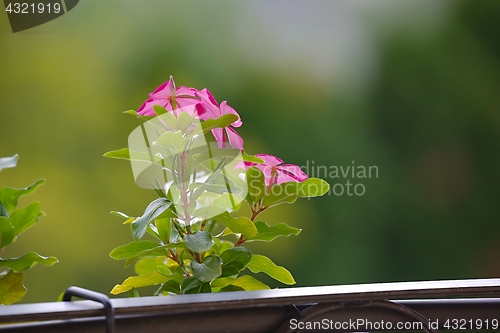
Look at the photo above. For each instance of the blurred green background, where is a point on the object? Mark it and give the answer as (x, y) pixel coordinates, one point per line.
(411, 87)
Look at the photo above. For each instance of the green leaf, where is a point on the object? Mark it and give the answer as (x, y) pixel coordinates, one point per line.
(251, 158)
(134, 293)
(156, 251)
(135, 114)
(209, 153)
(132, 155)
(154, 209)
(256, 184)
(8, 162)
(9, 196)
(11, 287)
(260, 263)
(171, 286)
(199, 241)
(234, 260)
(150, 279)
(159, 110)
(221, 122)
(3, 212)
(27, 261)
(151, 264)
(164, 227)
(267, 233)
(185, 120)
(120, 214)
(230, 288)
(246, 282)
(192, 285)
(24, 218)
(7, 233)
(313, 187)
(132, 249)
(145, 265)
(209, 269)
(172, 140)
(290, 191)
(239, 225)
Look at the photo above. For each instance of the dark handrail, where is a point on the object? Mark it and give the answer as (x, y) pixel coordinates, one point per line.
(258, 311)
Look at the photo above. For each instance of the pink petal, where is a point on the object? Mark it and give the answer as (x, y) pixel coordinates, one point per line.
(182, 90)
(290, 171)
(206, 95)
(200, 110)
(285, 178)
(226, 109)
(269, 159)
(190, 109)
(235, 139)
(146, 108)
(218, 135)
(164, 91)
(212, 110)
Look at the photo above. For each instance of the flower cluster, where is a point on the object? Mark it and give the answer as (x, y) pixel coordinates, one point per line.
(200, 103)
(203, 105)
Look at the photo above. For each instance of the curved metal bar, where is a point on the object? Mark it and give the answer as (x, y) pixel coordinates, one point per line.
(97, 297)
(319, 309)
(404, 310)
(310, 313)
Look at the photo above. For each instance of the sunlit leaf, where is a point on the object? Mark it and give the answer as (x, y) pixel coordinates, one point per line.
(246, 282)
(260, 263)
(11, 287)
(230, 288)
(150, 279)
(238, 225)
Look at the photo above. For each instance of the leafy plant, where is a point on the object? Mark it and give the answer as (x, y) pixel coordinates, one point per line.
(13, 222)
(201, 181)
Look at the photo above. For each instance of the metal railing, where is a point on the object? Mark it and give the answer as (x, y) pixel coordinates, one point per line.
(405, 306)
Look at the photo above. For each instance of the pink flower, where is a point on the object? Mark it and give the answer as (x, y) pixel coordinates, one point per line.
(209, 109)
(170, 97)
(275, 172)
